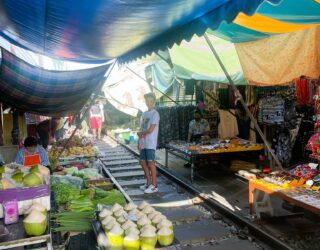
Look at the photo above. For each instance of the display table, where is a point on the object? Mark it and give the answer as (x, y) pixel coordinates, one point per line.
(191, 152)
(300, 196)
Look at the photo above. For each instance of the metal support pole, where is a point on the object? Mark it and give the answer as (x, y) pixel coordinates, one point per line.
(152, 86)
(256, 125)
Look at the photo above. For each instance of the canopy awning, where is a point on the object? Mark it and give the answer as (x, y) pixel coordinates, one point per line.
(288, 16)
(194, 60)
(103, 29)
(47, 92)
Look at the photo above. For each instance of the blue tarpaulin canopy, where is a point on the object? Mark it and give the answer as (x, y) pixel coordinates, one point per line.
(103, 29)
(49, 92)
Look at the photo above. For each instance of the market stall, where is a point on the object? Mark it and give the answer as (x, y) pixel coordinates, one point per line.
(195, 152)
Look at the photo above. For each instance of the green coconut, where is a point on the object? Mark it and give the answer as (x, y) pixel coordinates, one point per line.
(165, 236)
(103, 241)
(130, 206)
(148, 240)
(115, 236)
(17, 177)
(158, 218)
(143, 205)
(131, 242)
(153, 214)
(143, 221)
(139, 215)
(120, 213)
(107, 220)
(165, 223)
(128, 224)
(38, 207)
(116, 207)
(32, 179)
(132, 230)
(110, 225)
(148, 228)
(104, 213)
(34, 169)
(148, 210)
(121, 220)
(35, 223)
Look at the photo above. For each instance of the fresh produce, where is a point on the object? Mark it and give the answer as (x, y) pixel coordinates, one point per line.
(37, 207)
(131, 242)
(133, 230)
(130, 206)
(6, 184)
(82, 204)
(73, 221)
(115, 236)
(148, 210)
(128, 224)
(112, 197)
(143, 205)
(35, 223)
(116, 207)
(32, 179)
(120, 213)
(165, 236)
(17, 176)
(157, 219)
(40, 169)
(165, 223)
(148, 227)
(121, 220)
(104, 213)
(143, 221)
(148, 240)
(64, 193)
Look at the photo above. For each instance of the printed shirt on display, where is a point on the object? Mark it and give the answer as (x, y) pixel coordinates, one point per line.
(197, 128)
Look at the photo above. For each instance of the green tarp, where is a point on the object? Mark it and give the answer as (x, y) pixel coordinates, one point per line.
(194, 60)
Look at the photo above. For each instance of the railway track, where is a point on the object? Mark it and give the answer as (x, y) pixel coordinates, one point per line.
(200, 223)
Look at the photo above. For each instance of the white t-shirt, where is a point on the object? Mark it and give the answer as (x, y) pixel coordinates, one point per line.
(149, 118)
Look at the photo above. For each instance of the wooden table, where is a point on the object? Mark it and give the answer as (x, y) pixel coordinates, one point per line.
(196, 152)
(254, 185)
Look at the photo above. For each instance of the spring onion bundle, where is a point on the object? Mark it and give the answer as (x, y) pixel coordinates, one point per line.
(73, 221)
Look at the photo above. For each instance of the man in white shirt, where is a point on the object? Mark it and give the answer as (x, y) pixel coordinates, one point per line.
(148, 140)
(198, 127)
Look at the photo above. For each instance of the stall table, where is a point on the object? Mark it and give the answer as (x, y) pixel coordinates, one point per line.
(290, 195)
(191, 153)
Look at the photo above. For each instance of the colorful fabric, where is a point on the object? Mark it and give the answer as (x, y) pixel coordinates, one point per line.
(53, 93)
(282, 58)
(95, 122)
(43, 156)
(304, 171)
(199, 128)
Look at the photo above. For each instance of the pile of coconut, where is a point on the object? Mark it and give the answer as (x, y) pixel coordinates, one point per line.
(134, 227)
(35, 222)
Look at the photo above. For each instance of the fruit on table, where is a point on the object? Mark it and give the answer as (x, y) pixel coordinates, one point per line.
(35, 223)
(6, 184)
(39, 169)
(165, 236)
(115, 236)
(37, 207)
(32, 179)
(131, 242)
(148, 240)
(17, 176)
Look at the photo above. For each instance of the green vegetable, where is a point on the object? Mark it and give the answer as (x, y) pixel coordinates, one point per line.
(64, 193)
(73, 221)
(112, 197)
(81, 205)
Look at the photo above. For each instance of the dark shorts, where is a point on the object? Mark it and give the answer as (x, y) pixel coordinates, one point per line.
(147, 154)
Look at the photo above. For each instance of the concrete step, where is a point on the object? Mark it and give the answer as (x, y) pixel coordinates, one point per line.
(124, 162)
(125, 175)
(117, 169)
(117, 158)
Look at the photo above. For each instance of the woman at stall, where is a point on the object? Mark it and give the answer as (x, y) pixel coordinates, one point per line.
(32, 154)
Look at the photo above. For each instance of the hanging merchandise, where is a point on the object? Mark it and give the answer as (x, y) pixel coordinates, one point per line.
(174, 123)
(223, 96)
(282, 146)
(306, 90)
(228, 126)
(189, 84)
(271, 110)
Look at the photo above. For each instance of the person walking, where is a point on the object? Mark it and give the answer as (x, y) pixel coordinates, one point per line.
(96, 119)
(147, 145)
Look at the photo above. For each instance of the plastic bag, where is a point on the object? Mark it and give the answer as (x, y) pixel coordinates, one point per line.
(73, 181)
